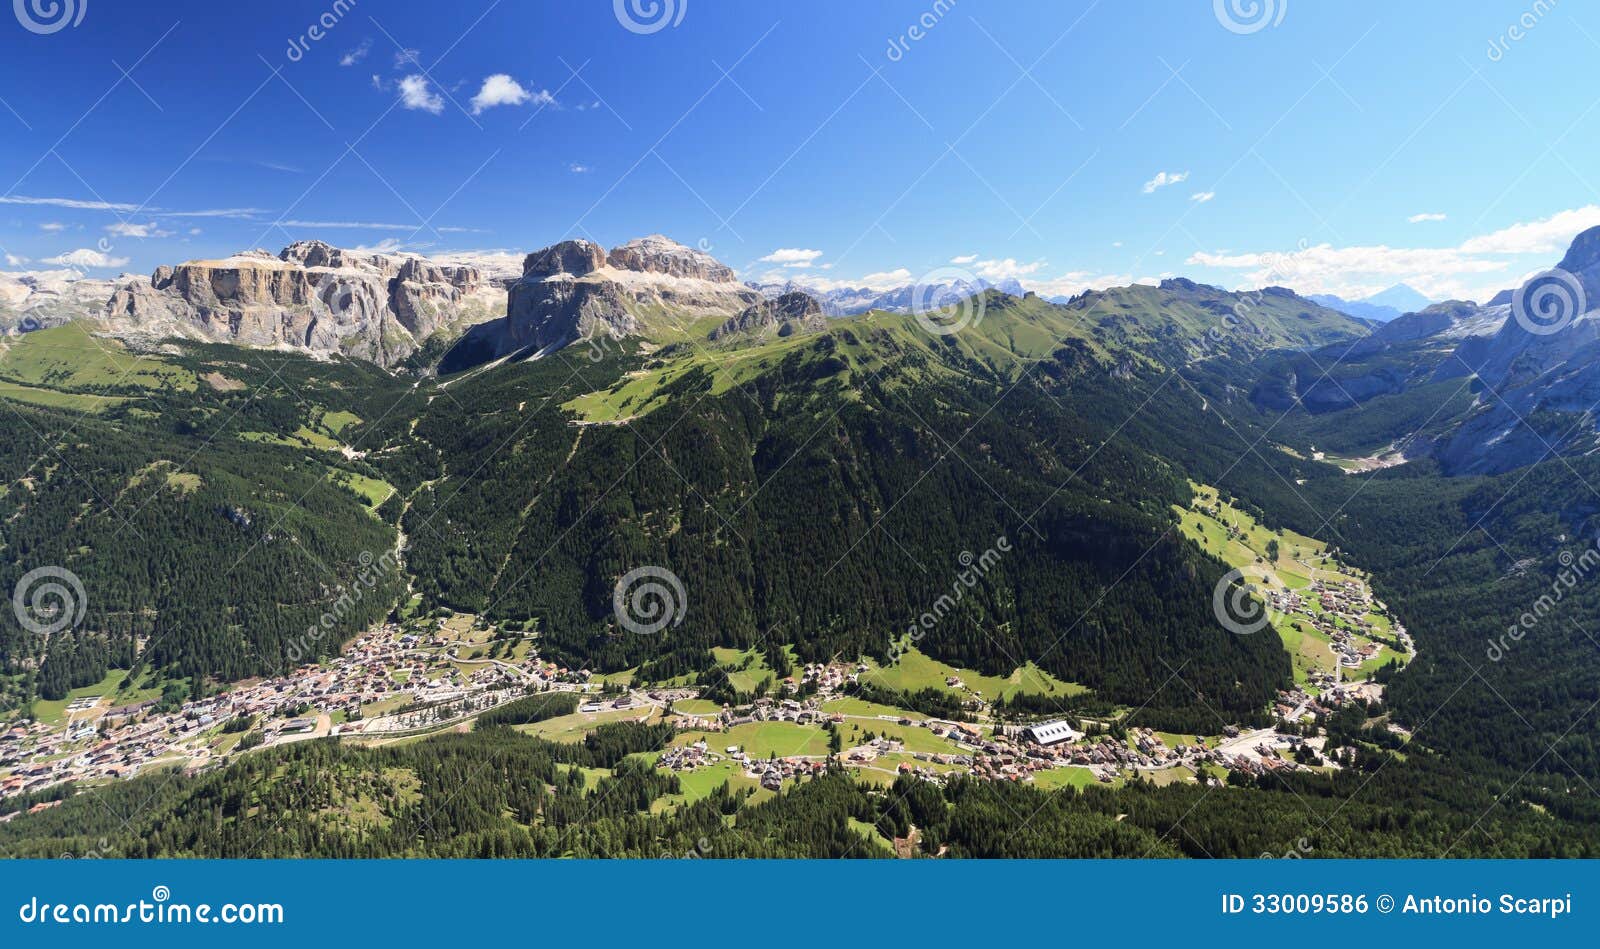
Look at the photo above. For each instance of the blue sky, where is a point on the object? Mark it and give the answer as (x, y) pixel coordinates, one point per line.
(1336, 148)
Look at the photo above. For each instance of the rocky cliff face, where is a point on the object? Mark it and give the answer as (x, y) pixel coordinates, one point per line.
(311, 296)
(651, 287)
(781, 316)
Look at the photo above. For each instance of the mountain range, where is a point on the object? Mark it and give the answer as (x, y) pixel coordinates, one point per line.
(1382, 307)
(222, 449)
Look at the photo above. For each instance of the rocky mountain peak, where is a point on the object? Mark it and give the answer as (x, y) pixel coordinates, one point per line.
(1583, 255)
(577, 258)
(658, 254)
(784, 315)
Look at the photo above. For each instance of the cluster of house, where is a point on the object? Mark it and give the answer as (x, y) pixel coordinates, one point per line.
(97, 741)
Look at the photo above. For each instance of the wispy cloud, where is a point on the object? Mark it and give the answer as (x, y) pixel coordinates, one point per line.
(355, 225)
(69, 203)
(964, 259)
(1420, 218)
(579, 168)
(353, 56)
(1201, 197)
(128, 229)
(1474, 269)
(1165, 178)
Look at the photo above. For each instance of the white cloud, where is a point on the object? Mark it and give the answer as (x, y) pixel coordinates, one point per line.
(52, 226)
(501, 89)
(241, 213)
(415, 94)
(883, 280)
(886, 279)
(578, 168)
(407, 59)
(379, 84)
(85, 257)
(125, 229)
(356, 225)
(963, 260)
(792, 257)
(69, 203)
(1420, 218)
(1201, 197)
(1549, 235)
(1474, 270)
(1075, 282)
(12, 260)
(388, 245)
(1007, 269)
(351, 57)
(1165, 178)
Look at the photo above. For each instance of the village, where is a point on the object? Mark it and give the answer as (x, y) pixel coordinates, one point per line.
(404, 680)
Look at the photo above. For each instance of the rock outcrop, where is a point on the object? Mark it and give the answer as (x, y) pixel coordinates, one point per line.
(652, 287)
(311, 296)
(781, 316)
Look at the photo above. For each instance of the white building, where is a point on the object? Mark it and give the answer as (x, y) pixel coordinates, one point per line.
(1051, 733)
